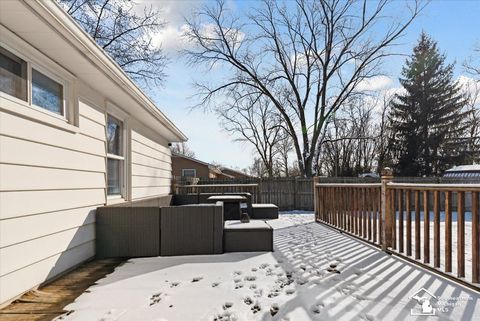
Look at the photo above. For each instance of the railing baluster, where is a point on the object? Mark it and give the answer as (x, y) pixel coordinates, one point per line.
(352, 198)
(417, 225)
(394, 219)
(461, 234)
(374, 213)
(360, 212)
(475, 238)
(364, 214)
(408, 208)
(436, 229)
(400, 221)
(448, 231)
(426, 228)
(380, 221)
(354, 210)
(369, 212)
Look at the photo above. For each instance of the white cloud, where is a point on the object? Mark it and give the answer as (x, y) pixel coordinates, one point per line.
(375, 83)
(173, 12)
(171, 38)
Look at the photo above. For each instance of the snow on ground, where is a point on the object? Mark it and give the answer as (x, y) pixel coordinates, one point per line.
(468, 246)
(315, 273)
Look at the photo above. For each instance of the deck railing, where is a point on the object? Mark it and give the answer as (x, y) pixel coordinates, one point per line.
(351, 207)
(410, 220)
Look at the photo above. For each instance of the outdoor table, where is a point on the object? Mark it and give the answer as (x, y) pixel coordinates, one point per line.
(231, 205)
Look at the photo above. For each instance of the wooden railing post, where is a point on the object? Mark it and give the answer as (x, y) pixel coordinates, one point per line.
(315, 196)
(387, 215)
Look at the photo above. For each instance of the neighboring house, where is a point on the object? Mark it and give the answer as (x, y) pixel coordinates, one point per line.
(75, 133)
(184, 166)
(463, 171)
(235, 173)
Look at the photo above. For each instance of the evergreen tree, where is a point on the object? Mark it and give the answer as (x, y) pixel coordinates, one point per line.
(427, 119)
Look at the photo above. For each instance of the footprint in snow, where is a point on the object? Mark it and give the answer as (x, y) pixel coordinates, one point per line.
(254, 269)
(225, 316)
(237, 273)
(301, 281)
(274, 293)
(155, 298)
(274, 309)
(196, 279)
(174, 284)
(360, 297)
(256, 308)
(227, 305)
(215, 284)
(253, 286)
(238, 285)
(367, 317)
(237, 280)
(248, 300)
(250, 278)
(289, 291)
(258, 293)
(318, 307)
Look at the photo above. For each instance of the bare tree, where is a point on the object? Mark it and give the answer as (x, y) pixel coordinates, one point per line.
(350, 145)
(252, 119)
(307, 59)
(257, 169)
(182, 149)
(472, 65)
(284, 149)
(385, 134)
(125, 34)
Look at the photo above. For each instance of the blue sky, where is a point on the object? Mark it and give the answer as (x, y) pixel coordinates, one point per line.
(454, 24)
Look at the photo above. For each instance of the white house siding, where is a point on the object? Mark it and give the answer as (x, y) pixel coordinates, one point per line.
(51, 181)
(151, 167)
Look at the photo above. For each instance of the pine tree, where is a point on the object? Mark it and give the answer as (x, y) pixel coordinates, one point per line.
(427, 119)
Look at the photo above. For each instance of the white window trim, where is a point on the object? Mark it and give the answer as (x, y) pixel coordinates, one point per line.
(35, 59)
(189, 169)
(125, 188)
(55, 78)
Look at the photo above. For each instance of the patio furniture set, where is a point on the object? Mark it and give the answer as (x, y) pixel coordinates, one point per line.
(192, 224)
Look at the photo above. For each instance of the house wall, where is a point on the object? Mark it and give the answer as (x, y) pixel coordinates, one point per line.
(180, 163)
(151, 168)
(51, 182)
(53, 177)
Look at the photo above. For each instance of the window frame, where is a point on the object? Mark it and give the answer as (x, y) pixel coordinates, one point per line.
(19, 56)
(122, 158)
(45, 65)
(48, 74)
(189, 169)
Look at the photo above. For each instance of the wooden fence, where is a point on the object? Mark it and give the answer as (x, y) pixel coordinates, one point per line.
(406, 219)
(286, 193)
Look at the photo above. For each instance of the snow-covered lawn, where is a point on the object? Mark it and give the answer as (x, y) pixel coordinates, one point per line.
(315, 273)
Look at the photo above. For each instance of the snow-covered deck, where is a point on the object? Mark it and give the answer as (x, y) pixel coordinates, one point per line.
(315, 273)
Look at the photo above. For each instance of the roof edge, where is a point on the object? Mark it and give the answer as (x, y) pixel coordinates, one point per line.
(105, 63)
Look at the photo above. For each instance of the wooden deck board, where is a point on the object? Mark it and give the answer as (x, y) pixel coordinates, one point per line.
(47, 302)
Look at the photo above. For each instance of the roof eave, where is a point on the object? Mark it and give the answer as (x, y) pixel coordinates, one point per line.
(104, 62)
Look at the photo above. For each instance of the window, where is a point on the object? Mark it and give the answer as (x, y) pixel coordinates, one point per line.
(189, 173)
(13, 75)
(115, 155)
(47, 93)
(28, 81)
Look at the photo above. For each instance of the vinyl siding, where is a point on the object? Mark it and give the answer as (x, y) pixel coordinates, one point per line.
(51, 182)
(151, 166)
